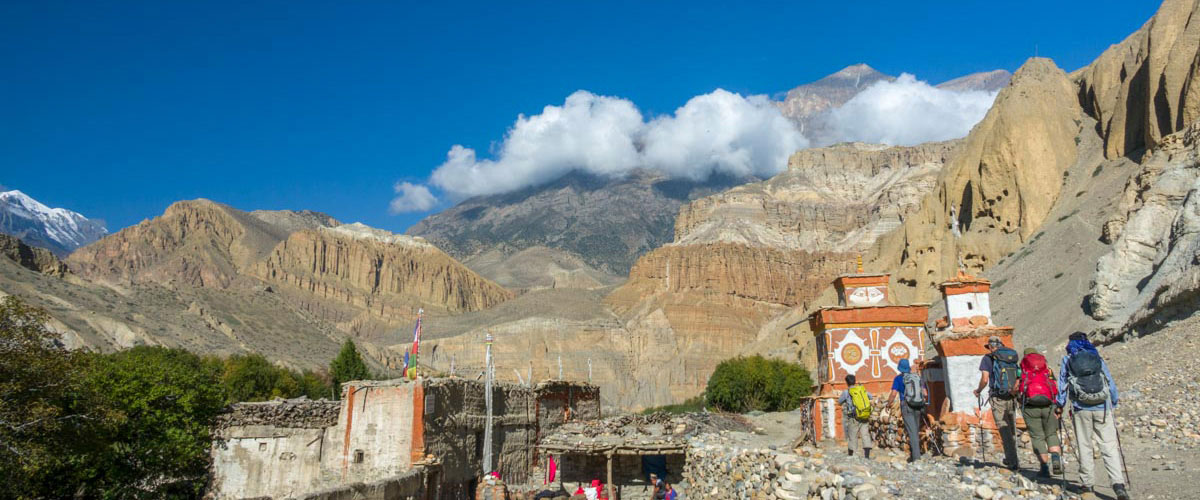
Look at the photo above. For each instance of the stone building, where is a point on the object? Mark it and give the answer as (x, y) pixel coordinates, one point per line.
(421, 439)
(864, 335)
(960, 338)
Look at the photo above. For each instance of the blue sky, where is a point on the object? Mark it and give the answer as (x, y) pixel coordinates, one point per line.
(117, 109)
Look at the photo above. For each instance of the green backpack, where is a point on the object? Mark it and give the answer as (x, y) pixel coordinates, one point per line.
(861, 401)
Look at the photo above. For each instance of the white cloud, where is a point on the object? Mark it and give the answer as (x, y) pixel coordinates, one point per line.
(411, 198)
(716, 132)
(904, 112)
(722, 132)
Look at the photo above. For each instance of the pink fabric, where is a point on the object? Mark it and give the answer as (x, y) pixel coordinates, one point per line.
(552, 468)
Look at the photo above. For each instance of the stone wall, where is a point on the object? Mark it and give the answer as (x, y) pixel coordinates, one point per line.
(411, 485)
(270, 449)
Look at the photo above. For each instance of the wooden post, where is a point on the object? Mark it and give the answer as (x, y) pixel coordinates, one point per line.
(610, 483)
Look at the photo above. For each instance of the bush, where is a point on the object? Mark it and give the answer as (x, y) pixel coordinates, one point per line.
(755, 383)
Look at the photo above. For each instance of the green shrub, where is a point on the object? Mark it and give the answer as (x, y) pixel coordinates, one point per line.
(692, 405)
(756, 383)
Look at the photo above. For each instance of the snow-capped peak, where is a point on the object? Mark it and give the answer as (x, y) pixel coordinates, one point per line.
(58, 229)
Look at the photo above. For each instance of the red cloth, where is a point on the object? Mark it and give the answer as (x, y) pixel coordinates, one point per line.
(551, 469)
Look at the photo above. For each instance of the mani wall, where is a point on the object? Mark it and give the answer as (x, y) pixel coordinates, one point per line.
(381, 431)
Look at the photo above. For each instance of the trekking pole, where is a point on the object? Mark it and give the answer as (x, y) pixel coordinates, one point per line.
(1063, 436)
(1121, 450)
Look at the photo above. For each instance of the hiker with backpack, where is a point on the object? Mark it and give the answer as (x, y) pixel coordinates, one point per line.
(1000, 376)
(856, 410)
(1093, 394)
(914, 396)
(1038, 391)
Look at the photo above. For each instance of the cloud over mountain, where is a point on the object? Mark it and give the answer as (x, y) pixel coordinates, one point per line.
(719, 132)
(904, 112)
(716, 132)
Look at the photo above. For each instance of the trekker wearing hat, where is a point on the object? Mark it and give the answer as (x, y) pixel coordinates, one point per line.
(855, 418)
(1093, 394)
(1000, 375)
(914, 396)
(1038, 391)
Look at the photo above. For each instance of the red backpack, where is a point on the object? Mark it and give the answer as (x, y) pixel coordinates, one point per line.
(1037, 388)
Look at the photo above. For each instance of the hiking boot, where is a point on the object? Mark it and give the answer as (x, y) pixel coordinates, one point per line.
(1044, 472)
(1086, 493)
(850, 453)
(1119, 489)
(866, 453)
(1056, 465)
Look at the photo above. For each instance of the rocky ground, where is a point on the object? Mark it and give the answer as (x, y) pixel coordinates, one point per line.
(1158, 419)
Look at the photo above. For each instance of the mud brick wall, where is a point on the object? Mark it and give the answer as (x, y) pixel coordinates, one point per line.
(455, 415)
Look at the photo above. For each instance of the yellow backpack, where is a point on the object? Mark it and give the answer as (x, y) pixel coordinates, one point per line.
(861, 401)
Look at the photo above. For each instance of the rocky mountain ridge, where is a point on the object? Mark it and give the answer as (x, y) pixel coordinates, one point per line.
(212, 278)
(606, 222)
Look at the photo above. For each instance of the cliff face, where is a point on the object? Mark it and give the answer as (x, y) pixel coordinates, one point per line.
(699, 304)
(837, 198)
(996, 190)
(749, 254)
(1145, 87)
(352, 275)
(1151, 275)
(34, 259)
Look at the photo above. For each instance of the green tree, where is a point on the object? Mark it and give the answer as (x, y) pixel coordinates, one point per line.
(315, 384)
(347, 366)
(46, 414)
(253, 378)
(163, 403)
(755, 383)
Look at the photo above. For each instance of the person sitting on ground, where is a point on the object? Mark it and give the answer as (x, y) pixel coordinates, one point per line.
(912, 406)
(1093, 393)
(855, 420)
(1038, 391)
(1000, 373)
(660, 490)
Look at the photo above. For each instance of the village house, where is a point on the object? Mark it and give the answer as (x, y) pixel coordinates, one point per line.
(393, 439)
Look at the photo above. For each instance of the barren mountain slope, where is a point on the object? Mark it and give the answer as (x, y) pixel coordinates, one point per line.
(204, 320)
(538, 267)
(287, 284)
(365, 279)
(608, 223)
(193, 243)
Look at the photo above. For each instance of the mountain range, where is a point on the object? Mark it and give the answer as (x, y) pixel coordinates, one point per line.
(1075, 196)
